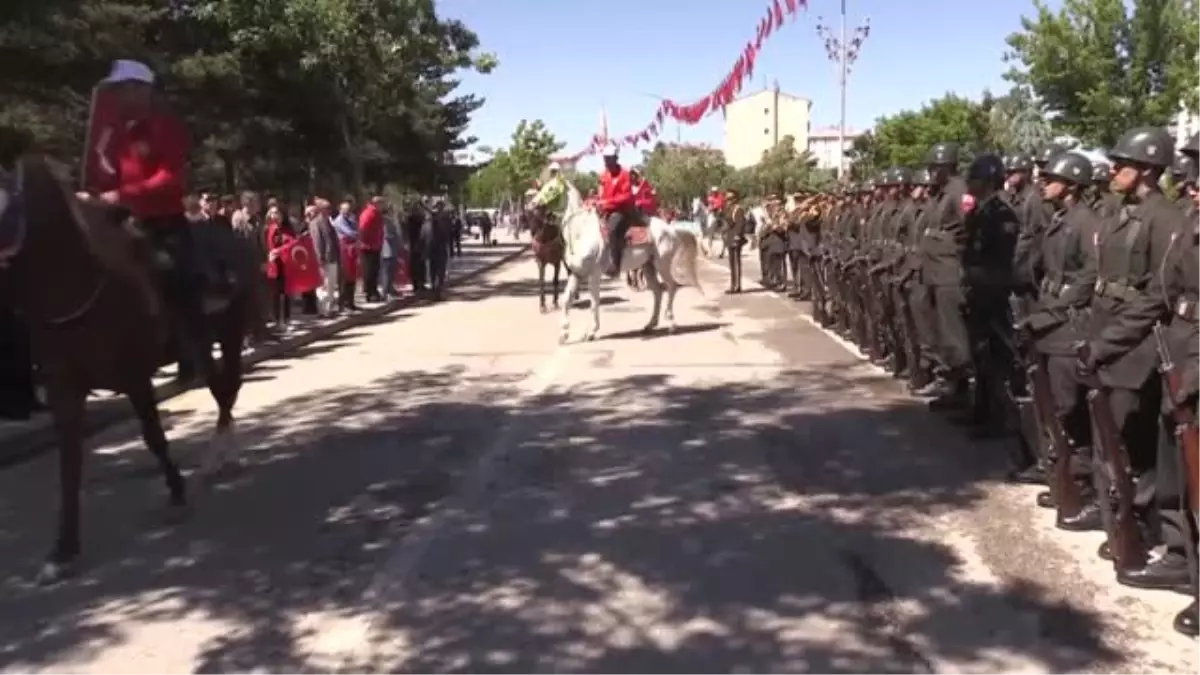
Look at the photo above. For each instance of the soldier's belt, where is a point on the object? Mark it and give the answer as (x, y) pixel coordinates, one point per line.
(1185, 308)
(1115, 290)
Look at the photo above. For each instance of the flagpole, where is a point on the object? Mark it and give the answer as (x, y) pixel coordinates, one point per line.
(842, 123)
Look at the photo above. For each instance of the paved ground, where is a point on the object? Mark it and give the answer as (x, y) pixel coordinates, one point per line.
(451, 491)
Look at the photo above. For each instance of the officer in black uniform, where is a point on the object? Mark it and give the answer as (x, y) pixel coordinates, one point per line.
(1131, 250)
(1033, 214)
(734, 234)
(941, 250)
(775, 238)
(992, 227)
(797, 250)
(1179, 282)
(1065, 265)
(1099, 198)
(917, 296)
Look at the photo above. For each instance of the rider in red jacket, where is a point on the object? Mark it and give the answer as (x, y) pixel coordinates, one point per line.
(716, 200)
(617, 206)
(150, 154)
(644, 195)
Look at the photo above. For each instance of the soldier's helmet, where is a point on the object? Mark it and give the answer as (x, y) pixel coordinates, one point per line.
(1071, 167)
(901, 176)
(942, 154)
(1182, 167)
(988, 169)
(1020, 161)
(1192, 147)
(1149, 146)
(922, 177)
(1047, 153)
(1101, 173)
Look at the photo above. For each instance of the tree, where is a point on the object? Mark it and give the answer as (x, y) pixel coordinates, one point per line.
(1018, 123)
(682, 172)
(529, 153)
(584, 181)
(903, 139)
(513, 170)
(297, 93)
(1099, 69)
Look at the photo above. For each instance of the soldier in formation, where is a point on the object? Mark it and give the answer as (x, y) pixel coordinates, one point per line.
(1045, 298)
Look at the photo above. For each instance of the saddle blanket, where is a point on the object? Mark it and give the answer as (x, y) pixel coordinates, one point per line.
(636, 235)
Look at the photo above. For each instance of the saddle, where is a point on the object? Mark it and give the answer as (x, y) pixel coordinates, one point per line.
(638, 233)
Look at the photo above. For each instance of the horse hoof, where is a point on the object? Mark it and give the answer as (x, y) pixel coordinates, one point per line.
(590, 337)
(543, 309)
(53, 573)
(672, 328)
(646, 330)
(562, 339)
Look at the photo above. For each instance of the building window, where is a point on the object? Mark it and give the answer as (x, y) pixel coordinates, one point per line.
(766, 132)
(766, 111)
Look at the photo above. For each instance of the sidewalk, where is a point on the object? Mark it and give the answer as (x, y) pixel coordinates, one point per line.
(20, 440)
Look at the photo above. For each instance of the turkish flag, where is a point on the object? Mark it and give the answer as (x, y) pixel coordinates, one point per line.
(301, 268)
(98, 170)
(349, 260)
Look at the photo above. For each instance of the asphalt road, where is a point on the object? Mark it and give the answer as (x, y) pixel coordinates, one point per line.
(450, 491)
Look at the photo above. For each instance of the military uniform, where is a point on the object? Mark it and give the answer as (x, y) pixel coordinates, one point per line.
(941, 250)
(735, 224)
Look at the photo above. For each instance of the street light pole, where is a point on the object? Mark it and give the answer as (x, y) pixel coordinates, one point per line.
(842, 121)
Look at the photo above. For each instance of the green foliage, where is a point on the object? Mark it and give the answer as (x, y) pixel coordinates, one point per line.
(1100, 67)
(904, 138)
(680, 173)
(319, 94)
(513, 170)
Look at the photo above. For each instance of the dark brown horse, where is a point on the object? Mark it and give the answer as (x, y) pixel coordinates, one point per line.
(86, 281)
(548, 249)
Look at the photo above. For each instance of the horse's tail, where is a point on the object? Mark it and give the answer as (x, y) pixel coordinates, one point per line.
(689, 248)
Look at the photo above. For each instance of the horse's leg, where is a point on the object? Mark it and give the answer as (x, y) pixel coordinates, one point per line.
(557, 269)
(565, 326)
(655, 286)
(594, 293)
(141, 397)
(225, 392)
(67, 407)
(541, 284)
(664, 269)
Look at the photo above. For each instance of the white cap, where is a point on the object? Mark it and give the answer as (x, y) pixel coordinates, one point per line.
(611, 150)
(530, 192)
(714, 189)
(125, 70)
(555, 166)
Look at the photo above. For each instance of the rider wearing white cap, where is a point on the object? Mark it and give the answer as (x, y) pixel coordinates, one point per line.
(617, 205)
(150, 153)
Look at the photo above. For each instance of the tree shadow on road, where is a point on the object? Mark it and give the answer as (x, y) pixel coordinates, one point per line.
(663, 537)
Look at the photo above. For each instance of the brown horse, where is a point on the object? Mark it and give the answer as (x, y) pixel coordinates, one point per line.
(548, 249)
(86, 281)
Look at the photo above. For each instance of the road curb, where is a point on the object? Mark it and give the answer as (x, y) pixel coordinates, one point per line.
(28, 443)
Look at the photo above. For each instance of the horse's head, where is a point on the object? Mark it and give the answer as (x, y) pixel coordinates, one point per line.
(574, 199)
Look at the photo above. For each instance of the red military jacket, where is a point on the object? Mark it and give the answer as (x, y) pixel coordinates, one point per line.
(616, 191)
(646, 198)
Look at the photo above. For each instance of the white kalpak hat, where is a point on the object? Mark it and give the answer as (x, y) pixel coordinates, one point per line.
(125, 70)
(555, 166)
(611, 150)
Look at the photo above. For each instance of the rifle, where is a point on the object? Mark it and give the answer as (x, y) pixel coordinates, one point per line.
(1188, 440)
(1124, 537)
(1054, 446)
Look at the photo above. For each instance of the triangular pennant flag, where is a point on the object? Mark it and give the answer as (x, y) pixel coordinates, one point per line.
(778, 14)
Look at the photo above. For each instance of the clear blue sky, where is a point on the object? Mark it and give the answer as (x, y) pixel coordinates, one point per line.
(555, 65)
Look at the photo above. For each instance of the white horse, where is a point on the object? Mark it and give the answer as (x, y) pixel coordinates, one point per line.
(588, 255)
(762, 223)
